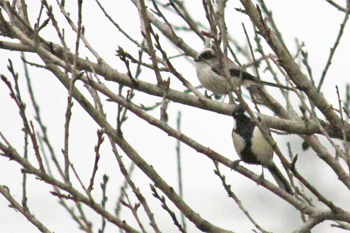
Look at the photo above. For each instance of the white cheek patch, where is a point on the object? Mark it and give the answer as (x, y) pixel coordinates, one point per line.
(238, 142)
(261, 148)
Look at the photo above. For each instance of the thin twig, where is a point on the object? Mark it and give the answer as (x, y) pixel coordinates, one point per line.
(251, 51)
(97, 158)
(235, 198)
(136, 190)
(134, 209)
(166, 207)
(104, 201)
(147, 30)
(179, 166)
(336, 5)
(14, 204)
(28, 125)
(118, 27)
(335, 46)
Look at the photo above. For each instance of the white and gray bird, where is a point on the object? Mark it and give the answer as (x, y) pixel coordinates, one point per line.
(252, 147)
(210, 74)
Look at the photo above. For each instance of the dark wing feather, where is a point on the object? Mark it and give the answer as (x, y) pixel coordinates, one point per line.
(245, 76)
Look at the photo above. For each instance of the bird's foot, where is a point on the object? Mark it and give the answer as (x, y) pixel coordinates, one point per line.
(261, 177)
(235, 164)
(207, 95)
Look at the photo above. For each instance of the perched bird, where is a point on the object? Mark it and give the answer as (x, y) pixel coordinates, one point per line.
(252, 147)
(211, 75)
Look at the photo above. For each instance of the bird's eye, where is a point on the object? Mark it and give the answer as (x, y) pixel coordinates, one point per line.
(207, 55)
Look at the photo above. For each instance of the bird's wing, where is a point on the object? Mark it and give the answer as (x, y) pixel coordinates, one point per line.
(237, 73)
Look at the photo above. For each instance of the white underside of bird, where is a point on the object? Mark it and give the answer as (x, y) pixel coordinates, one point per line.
(210, 80)
(260, 147)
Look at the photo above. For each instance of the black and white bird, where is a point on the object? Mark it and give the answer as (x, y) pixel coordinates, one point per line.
(210, 74)
(252, 147)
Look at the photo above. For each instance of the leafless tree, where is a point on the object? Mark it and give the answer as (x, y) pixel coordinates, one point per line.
(53, 38)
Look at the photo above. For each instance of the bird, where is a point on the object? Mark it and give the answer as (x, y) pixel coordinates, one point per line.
(211, 74)
(253, 148)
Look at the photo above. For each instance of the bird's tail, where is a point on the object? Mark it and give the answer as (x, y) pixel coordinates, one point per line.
(280, 179)
(275, 85)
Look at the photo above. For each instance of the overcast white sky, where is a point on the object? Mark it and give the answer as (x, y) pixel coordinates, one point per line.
(314, 22)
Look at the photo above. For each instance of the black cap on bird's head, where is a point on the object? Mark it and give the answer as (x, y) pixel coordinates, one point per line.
(205, 55)
(238, 111)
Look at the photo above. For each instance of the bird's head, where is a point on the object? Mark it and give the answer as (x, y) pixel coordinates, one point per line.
(238, 111)
(207, 55)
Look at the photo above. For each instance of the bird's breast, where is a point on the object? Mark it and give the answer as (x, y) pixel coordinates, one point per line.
(261, 148)
(210, 80)
(239, 143)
